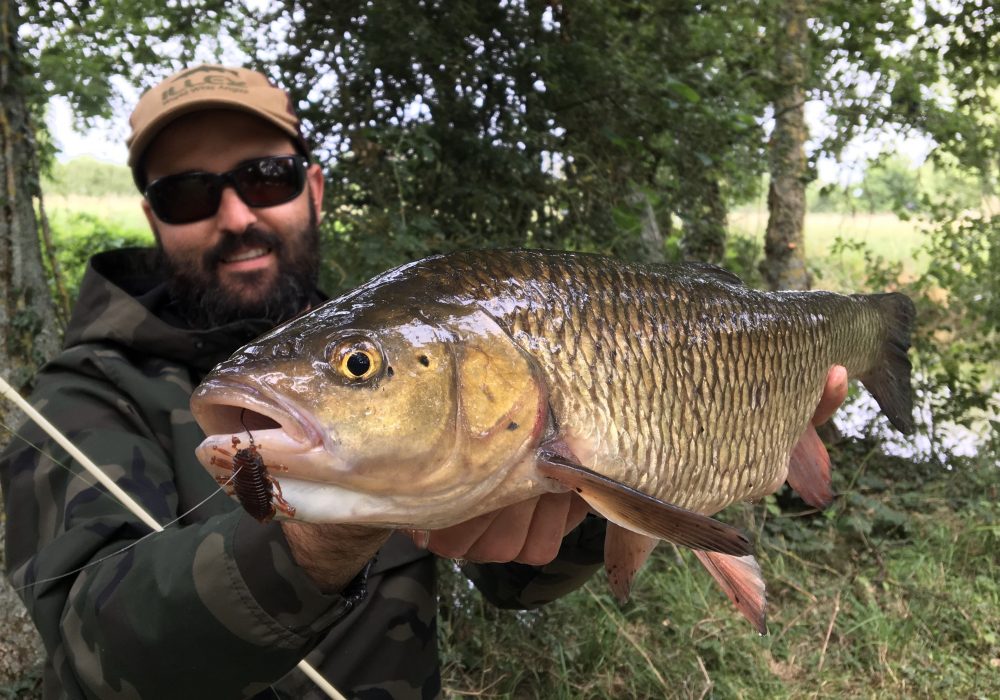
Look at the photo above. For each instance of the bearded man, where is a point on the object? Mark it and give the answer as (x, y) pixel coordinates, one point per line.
(218, 605)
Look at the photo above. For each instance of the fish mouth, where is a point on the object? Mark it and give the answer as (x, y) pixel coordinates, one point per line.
(225, 408)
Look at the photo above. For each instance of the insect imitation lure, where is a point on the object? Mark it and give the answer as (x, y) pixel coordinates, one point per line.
(258, 492)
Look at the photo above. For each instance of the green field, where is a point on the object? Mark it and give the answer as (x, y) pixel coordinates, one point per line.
(120, 211)
(883, 234)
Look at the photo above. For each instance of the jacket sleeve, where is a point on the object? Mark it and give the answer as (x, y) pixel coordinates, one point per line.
(216, 608)
(523, 587)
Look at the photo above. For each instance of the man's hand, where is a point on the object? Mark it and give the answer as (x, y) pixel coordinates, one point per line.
(530, 532)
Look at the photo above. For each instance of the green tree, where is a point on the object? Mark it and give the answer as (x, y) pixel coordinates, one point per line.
(89, 177)
(574, 126)
(27, 315)
(784, 265)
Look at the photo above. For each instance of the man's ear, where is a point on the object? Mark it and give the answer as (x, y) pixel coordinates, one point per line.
(151, 218)
(314, 179)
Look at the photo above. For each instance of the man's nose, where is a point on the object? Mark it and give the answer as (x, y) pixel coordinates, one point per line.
(234, 216)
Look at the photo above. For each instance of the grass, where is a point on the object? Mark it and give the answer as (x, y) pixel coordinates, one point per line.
(895, 592)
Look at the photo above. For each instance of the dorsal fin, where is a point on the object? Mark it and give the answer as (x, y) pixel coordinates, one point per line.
(704, 269)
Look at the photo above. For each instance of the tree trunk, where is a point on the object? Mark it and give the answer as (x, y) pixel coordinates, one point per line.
(705, 225)
(29, 333)
(784, 264)
(650, 236)
(30, 330)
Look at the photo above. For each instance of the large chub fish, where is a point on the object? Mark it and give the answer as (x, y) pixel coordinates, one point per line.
(462, 383)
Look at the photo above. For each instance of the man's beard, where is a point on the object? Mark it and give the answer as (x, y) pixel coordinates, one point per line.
(203, 302)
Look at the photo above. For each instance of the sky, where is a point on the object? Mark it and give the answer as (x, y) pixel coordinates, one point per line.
(106, 141)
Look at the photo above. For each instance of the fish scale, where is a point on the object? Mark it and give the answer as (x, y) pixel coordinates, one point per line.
(620, 413)
(460, 384)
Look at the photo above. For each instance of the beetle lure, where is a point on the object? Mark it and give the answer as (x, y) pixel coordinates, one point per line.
(258, 492)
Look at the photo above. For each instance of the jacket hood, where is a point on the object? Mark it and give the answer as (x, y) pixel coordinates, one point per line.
(123, 300)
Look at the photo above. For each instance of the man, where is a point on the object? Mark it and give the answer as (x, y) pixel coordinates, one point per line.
(219, 605)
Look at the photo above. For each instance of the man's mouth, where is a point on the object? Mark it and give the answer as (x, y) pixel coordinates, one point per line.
(248, 254)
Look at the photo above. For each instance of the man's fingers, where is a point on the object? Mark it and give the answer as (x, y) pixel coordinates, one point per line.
(834, 394)
(505, 537)
(578, 510)
(545, 535)
(454, 542)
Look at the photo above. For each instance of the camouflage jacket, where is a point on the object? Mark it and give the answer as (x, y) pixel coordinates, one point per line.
(214, 606)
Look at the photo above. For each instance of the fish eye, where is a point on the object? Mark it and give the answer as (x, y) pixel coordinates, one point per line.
(356, 359)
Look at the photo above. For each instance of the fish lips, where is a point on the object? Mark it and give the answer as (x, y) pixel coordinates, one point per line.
(227, 409)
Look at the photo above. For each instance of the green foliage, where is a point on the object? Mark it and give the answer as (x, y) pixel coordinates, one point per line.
(83, 235)
(89, 177)
(961, 311)
(507, 124)
(77, 49)
(892, 184)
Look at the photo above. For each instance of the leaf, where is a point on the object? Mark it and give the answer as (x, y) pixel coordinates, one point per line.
(683, 91)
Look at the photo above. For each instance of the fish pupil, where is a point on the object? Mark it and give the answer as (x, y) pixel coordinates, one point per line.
(358, 364)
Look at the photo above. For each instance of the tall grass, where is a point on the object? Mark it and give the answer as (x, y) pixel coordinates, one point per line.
(894, 592)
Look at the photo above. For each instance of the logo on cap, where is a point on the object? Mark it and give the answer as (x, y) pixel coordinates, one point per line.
(215, 79)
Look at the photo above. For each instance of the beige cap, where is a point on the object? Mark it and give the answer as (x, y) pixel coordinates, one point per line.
(209, 87)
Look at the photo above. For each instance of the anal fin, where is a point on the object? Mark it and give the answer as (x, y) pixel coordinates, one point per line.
(742, 582)
(639, 512)
(624, 554)
(809, 470)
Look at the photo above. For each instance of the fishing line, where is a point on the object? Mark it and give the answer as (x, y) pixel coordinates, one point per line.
(127, 547)
(76, 454)
(6, 390)
(89, 480)
(95, 484)
(79, 475)
(243, 412)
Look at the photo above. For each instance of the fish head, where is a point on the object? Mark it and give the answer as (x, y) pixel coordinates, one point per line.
(400, 416)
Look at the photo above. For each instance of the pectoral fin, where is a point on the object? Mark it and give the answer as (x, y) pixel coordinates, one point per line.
(742, 582)
(624, 554)
(636, 511)
(809, 470)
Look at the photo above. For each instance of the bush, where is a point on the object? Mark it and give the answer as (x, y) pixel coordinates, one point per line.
(80, 236)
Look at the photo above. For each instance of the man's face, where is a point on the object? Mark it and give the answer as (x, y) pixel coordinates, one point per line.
(242, 262)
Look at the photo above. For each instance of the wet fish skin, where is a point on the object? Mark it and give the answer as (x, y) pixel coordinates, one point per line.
(677, 380)
(499, 371)
(680, 381)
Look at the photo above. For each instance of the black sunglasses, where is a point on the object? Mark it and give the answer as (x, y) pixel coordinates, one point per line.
(262, 182)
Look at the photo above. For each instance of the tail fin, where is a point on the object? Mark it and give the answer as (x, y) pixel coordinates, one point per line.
(889, 381)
